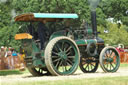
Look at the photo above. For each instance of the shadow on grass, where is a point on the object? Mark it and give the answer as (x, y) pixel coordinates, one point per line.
(10, 72)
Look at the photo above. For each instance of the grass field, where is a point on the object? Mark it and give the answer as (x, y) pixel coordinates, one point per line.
(12, 72)
(88, 81)
(124, 65)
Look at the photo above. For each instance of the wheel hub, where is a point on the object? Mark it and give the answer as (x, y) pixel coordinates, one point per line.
(110, 59)
(63, 55)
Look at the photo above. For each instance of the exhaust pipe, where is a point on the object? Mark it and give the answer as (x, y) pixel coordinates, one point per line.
(94, 24)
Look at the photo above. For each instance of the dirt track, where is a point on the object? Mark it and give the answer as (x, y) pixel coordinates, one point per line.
(77, 75)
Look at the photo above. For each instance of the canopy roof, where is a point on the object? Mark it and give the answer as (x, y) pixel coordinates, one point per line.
(44, 17)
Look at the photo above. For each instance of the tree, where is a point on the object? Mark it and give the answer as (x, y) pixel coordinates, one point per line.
(115, 35)
(115, 9)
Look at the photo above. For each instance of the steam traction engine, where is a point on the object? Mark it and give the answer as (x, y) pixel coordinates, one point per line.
(65, 50)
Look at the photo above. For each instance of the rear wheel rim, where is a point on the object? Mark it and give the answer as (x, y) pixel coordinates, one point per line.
(64, 57)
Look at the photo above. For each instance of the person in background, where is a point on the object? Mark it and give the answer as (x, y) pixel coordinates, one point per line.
(16, 63)
(10, 60)
(2, 57)
(22, 56)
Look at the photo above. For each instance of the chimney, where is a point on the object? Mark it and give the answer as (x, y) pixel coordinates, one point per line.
(94, 24)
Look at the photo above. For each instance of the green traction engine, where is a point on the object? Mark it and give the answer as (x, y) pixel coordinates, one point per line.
(60, 52)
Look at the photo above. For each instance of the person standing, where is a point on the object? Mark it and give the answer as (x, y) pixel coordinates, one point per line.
(9, 58)
(2, 57)
(42, 33)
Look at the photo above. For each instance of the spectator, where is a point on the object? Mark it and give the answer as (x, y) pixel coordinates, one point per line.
(10, 59)
(16, 58)
(2, 57)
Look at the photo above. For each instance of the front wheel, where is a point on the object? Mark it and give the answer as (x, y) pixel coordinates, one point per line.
(62, 56)
(109, 59)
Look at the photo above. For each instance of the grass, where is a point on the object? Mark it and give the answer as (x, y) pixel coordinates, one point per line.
(12, 72)
(124, 65)
(89, 81)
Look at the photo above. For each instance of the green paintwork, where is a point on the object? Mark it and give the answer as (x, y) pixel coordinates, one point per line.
(38, 63)
(27, 46)
(31, 49)
(86, 41)
(80, 42)
(91, 41)
(57, 34)
(35, 48)
(89, 31)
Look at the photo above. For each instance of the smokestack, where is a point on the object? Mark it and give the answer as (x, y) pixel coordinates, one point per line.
(93, 5)
(94, 24)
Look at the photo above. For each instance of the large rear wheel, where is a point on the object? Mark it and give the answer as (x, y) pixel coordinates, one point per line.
(62, 56)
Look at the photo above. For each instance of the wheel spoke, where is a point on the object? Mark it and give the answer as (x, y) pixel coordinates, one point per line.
(56, 48)
(70, 62)
(107, 64)
(112, 65)
(86, 66)
(56, 60)
(71, 56)
(111, 53)
(104, 58)
(63, 46)
(68, 53)
(57, 64)
(59, 47)
(60, 63)
(68, 49)
(65, 68)
(55, 57)
(92, 65)
(106, 53)
(54, 53)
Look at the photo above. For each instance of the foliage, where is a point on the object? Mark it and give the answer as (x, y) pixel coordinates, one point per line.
(115, 9)
(10, 8)
(115, 35)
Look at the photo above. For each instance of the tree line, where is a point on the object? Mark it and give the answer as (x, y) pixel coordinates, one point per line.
(115, 9)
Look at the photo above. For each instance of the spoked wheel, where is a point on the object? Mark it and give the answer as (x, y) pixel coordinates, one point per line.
(109, 59)
(38, 71)
(62, 56)
(88, 64)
